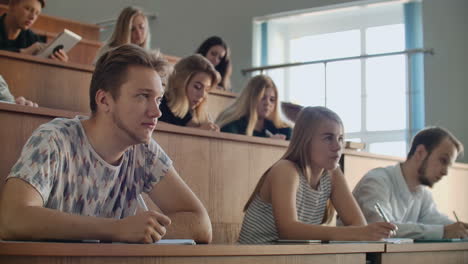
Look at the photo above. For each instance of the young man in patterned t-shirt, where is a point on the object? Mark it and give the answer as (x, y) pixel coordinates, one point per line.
(80, 178)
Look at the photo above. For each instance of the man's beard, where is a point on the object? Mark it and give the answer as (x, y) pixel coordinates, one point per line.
(118, 122)
(422, 173)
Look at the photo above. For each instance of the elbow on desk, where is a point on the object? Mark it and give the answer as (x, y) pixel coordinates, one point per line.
(204, 235)
(8, 229)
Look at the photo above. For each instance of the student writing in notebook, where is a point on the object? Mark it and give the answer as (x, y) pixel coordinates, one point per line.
(15, 34)
(185, 101)
(80, 178)
(296, 195)
(402, 189)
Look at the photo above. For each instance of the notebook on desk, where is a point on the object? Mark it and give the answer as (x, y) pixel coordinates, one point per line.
(395, 240)
(168, 242)
(442, 240)
(298, 241)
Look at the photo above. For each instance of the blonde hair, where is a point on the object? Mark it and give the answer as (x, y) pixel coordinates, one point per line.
(246, 105)
(298, 152)
(123, 28)
(176, 93)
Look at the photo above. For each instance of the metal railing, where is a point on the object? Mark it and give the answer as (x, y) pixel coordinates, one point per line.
(365, 56)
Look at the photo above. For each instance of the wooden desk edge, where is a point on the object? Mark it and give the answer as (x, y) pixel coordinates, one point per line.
(50, 62)
(92, 249)
(223, 93)
(161, 126)
(425, 247)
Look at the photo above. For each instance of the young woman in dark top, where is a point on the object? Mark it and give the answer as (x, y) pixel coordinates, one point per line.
(217, 52)
(256, 112)
(185, 99)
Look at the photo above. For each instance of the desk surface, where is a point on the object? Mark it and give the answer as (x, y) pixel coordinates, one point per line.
(426, 247)
(122, 250)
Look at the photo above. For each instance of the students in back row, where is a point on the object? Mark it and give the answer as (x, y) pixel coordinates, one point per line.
(15, 34)
(256, 112)
(131, 27)
(185, 100)
(79, 178)
(217, 52)
(297, 194)
(402, 191)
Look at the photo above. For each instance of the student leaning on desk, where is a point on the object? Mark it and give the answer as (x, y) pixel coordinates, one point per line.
(402, 191)
(79, 179)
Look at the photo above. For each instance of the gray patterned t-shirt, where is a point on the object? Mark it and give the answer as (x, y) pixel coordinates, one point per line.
(61, 164)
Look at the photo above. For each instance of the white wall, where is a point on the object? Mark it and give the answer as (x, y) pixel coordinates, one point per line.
(446, 72)
(183, 24)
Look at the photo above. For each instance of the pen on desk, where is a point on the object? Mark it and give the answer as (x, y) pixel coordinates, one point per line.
(456, 217)
(141, 202)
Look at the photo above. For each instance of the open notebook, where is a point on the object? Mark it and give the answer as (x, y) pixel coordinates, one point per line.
(393, 240)
(387, 240)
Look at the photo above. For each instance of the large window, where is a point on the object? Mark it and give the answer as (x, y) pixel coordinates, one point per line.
(371, 94)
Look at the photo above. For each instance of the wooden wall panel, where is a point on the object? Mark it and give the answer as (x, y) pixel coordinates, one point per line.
(64, 85)
(50, 84)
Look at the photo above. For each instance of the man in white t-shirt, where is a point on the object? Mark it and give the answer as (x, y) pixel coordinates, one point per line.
(401, 190)
(80, 178)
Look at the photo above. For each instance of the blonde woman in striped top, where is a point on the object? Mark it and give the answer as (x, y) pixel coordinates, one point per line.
(300, 191)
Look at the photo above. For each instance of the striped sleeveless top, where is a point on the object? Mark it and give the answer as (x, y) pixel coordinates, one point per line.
(259, 222)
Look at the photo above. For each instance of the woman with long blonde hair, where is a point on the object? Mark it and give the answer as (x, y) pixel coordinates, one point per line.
(298, 193)
(185, 100)
(256, 112)
(131, 27)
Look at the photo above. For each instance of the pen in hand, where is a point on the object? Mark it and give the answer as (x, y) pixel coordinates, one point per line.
(456, 217)
(379, 210)
(141, 202)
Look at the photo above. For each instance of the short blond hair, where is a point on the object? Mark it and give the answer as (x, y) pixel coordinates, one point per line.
(111, 69)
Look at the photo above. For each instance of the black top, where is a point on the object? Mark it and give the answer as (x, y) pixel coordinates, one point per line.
(25, 39)
(169, 117)
(239, 127)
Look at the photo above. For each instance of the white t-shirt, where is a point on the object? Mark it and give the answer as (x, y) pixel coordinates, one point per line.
(60, 163)
(415, 213)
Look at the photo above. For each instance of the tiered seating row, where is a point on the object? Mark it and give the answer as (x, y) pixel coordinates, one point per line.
(222, 169)
(66, 85)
